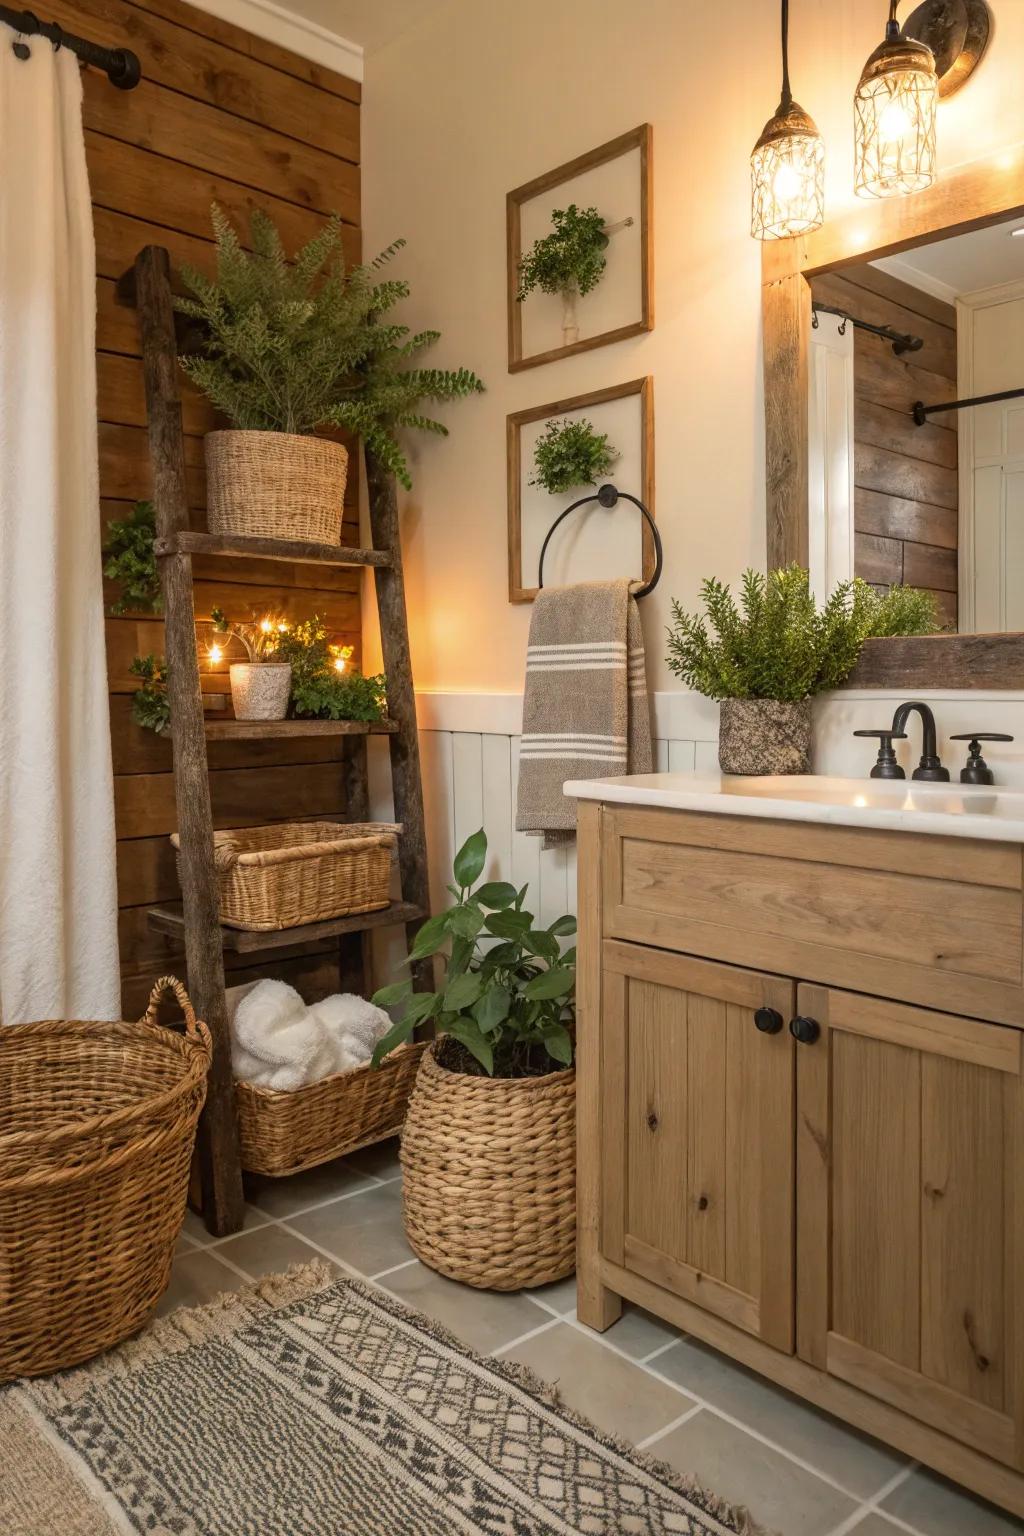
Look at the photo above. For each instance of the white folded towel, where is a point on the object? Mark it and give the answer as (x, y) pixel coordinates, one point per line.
(277, 1042)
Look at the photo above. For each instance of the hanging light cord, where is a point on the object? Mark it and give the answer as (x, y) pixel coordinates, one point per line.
(787, 95)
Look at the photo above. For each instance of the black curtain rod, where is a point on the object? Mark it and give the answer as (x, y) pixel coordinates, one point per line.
(901, 342)
(922, 412)
(120, 65)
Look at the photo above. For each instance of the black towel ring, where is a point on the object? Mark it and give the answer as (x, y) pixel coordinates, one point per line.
(608, 495)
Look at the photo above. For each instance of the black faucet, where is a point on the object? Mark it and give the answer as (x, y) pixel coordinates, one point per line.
(929, 768)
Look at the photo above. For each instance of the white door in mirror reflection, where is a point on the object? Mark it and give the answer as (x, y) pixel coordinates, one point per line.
(991, 327)
(830, 392)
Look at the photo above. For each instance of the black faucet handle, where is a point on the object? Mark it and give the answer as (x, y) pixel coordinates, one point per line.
(976, 770)
(886, 766)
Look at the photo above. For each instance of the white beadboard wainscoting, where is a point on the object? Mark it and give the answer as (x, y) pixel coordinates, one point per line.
(469, 745)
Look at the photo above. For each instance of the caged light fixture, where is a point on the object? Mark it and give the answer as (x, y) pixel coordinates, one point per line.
(787, 166)
(894, 116)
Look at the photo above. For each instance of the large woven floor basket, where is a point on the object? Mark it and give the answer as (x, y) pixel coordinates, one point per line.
(97, 1125)
(284, 1133)
(489, 1176)
(299, 872)
(275, 485)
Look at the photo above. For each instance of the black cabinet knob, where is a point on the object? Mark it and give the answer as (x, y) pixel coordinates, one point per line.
(804, 1029)
(768, 1020)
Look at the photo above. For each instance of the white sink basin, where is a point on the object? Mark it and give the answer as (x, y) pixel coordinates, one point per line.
(949, 810)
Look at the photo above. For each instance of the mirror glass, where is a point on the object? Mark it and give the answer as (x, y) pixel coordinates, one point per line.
(933, 499)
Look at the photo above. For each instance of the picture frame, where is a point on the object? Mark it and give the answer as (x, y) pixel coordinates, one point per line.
(623, 304)
(531, 513)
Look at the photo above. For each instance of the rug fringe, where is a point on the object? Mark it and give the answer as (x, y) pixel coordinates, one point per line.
(221, 1317)
(735, 1515)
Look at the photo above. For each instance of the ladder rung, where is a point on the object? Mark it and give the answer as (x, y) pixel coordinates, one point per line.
(245, 940)
(286, 730)
(190, 542)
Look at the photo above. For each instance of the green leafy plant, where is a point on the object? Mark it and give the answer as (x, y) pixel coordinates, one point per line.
(570, 259)
(323, 686)
(132, 563)
(777, 644)
(507, 999)
(150, 705)
(571, 453)
(301, 345)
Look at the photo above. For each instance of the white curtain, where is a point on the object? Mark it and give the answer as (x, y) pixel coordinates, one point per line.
(58, 901)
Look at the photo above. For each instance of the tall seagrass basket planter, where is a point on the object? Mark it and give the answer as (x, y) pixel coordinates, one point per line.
(489, 1176)
(97, 1126)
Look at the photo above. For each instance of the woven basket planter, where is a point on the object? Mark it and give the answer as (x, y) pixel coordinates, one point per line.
(283, 876)
(275, 485)
(284, 1133)
(97, 1124)
(260, 690)
(489, 1176)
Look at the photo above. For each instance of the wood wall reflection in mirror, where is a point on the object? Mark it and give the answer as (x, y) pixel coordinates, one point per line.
(903, 477)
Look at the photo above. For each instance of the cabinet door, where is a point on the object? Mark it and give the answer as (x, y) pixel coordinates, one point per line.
(697, 1145)
(910, 1154)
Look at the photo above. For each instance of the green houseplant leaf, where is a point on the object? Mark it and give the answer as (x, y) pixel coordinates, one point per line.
(507, 998)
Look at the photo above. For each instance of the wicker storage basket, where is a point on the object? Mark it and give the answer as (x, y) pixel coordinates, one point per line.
(489, 1176)
(282, 876)
(275, 485)
(97, 1124)
(284, 1133)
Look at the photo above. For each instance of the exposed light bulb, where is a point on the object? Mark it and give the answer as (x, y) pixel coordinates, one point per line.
(216, 654)
(893, 122)
(266, 626)
(787, 183)
(340, 663)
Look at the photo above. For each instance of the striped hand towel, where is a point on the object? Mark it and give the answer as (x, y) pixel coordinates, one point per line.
(585, 710)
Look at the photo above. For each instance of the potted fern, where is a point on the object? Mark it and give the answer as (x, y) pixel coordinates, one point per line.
(765, 659)
(293, 349)
(570, 261)
(489, 1140)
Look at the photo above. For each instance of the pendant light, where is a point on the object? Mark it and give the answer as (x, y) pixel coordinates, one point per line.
(894, 116)
(787, 166)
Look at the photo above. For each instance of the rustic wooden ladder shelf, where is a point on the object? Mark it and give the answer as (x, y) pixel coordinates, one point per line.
(148, 288)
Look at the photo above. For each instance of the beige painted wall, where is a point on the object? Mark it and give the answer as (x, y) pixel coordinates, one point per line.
(483, 95)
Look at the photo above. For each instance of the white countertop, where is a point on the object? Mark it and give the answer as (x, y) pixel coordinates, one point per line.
(944, 810)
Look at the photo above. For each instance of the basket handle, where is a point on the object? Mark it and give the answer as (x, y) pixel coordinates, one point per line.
(194, 1029)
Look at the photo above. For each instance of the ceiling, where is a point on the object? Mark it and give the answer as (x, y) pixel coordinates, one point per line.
(370, 23)
(963, 263)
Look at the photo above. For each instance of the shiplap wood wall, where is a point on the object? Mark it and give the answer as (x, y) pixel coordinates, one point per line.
(220, 115)
(905, 476)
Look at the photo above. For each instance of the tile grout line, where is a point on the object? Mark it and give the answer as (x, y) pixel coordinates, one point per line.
(755, 1434)
(531, 1333)
(405, 1264)
(666, 1429)
(872, 1506)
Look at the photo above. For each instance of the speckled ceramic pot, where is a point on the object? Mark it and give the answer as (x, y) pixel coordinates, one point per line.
(759, 736)
(260, 689)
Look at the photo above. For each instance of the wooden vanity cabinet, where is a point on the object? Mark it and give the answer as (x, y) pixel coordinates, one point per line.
(844, 1212)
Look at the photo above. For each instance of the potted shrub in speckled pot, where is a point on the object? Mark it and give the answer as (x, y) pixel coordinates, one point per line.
(766, 657)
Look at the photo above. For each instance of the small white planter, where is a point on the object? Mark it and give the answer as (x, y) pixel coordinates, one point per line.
(260, 689)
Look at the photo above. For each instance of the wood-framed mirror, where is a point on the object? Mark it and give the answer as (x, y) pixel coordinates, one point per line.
(855, 484)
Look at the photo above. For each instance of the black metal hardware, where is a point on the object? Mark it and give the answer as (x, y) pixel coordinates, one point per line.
(120, 65)
(803, 1029)
(768, 1020)
(886, 766)
(930, 768)
(976, 770)
(902, 341)
(921, 411)
(607, 496)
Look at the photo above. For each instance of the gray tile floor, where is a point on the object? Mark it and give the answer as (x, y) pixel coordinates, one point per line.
(800, 1472)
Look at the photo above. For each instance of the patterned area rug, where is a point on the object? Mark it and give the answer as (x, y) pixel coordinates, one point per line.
(305, 1406)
